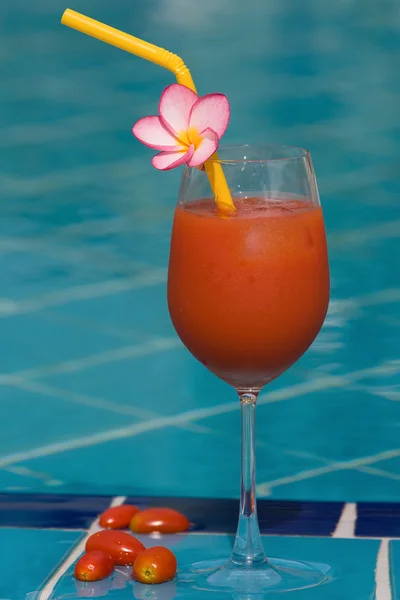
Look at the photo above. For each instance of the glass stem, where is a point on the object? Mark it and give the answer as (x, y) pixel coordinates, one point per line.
(248, 549)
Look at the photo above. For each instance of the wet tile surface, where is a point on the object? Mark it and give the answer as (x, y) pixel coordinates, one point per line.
(353, 560)
(29, 556)
(39, 562)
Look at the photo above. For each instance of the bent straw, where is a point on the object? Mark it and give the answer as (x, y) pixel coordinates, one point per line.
(165, 59)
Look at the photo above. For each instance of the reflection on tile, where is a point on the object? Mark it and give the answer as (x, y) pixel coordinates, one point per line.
(28, 557)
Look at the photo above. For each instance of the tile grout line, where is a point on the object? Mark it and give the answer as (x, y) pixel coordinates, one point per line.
(88, 291)
(45, 389)
(151, 346)
(370, 470)
(45, 594)
(264, 488)
(382, 572)
(346, 525)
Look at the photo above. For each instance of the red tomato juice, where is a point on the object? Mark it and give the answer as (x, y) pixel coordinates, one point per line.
(248, 294)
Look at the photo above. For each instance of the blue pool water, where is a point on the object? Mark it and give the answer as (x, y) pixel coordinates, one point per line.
(97, 394)
(98, 397)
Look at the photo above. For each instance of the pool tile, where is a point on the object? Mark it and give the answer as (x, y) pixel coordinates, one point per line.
(67, 511)
(339, 484)
(33, 267)
(50, 510)
(29, 557)
(143, 310)
(297, 74)
(221, 516)
(378, 519)
(57, 419)
(60, 342)
(353, 562)
(124, 380)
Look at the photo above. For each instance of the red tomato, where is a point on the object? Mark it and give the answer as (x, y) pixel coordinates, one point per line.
(93, 566)
(118, 517)
(155, 565)
(122, 547)
(162, 520)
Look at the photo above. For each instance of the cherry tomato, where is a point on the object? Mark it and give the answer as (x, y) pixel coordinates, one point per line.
(118, 517)
(93, 566)
(155, 565)
(122, 547)
(162, 520)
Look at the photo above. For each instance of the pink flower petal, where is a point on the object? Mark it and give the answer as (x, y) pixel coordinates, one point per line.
(164, 161)
(151, 132)
(211, 112)
(175, 105)
(205, 149)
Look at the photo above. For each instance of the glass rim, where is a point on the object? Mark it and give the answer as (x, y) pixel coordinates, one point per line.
(299, 153)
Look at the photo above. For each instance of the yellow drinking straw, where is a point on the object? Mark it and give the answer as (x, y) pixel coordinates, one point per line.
(165, 59)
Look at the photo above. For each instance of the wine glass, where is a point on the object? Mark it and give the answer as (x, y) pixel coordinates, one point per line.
(248, 294)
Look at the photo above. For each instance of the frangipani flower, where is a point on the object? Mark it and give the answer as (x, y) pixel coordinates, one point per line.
(188, 129)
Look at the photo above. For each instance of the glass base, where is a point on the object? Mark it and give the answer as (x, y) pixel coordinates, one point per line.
(274, 575)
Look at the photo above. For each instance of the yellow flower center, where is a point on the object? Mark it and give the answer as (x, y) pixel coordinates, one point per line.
(191, 136)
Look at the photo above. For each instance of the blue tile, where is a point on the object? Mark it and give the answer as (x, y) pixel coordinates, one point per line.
(378, 519)
(221, 516)
(59, 342)
(34, 267)
(353, 561)
(172, 382)
(211, 515)
(291, 463)
(67, 511)
(299, 518)
(217, 444)
(343, 483)
(50, 510)
(29, 557)
(55, 419)
(312, 75)
(161, 473)
(141, 311)
(305, 420)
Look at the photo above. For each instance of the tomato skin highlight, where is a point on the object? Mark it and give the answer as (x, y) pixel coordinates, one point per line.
(93, 566)
(155, 565)
(160, 520)
(122, 547)
(118, 517)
